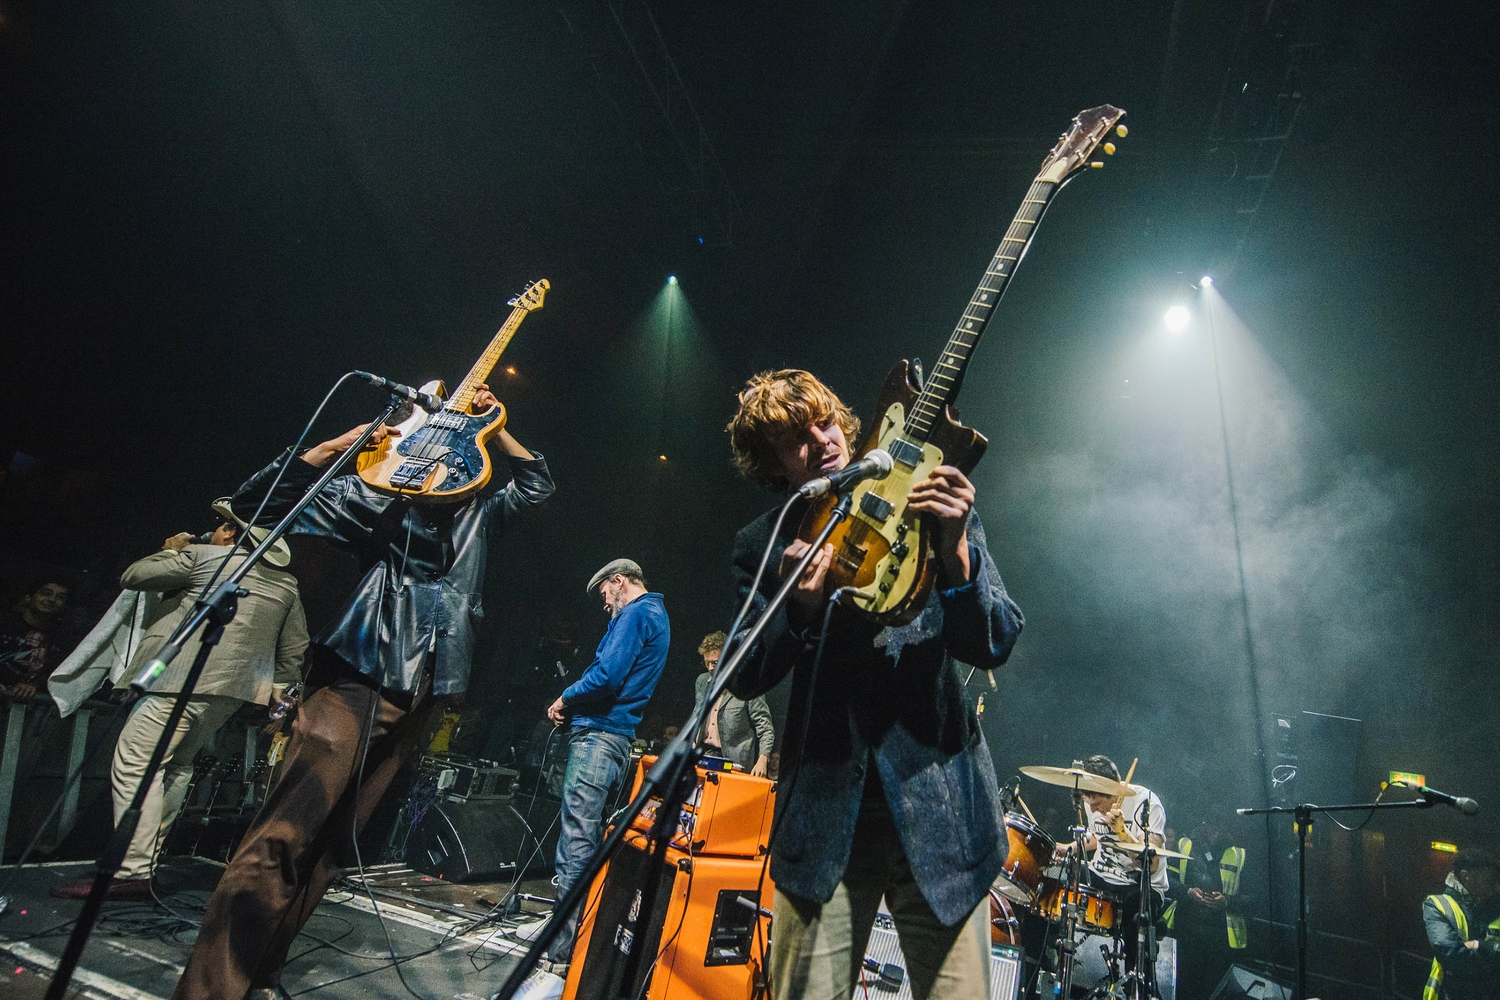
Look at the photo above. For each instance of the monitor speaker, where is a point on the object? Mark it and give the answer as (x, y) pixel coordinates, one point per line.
(1240, 983)
(479, 840)
(885, 965)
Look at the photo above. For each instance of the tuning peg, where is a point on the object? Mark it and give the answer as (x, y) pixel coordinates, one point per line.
(1097, 164)
(1109, 149)
(1121, 131)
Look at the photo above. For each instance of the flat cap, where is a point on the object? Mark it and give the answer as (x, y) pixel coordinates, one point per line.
(627, 566)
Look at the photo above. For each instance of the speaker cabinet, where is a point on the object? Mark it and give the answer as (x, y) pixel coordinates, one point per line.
(705, 943)
(479, 840)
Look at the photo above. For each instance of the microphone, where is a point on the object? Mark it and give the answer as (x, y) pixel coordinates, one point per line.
(877, 464)
(1464, 805)
(425, 400)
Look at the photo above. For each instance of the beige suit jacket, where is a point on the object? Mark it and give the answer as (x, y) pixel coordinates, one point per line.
(263, 646)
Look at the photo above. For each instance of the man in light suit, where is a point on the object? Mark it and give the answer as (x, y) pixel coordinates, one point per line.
(739, 731)
(260, 654)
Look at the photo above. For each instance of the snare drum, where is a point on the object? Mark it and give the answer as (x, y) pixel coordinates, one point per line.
(1030, 851)
(1097, 910)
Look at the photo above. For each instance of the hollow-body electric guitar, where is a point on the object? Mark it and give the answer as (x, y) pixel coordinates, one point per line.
(441, 457)
(883, 555)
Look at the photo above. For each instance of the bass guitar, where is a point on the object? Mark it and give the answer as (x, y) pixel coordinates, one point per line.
(441, 458)
(883, 557)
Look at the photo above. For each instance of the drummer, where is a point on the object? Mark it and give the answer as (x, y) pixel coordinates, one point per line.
(1115, 820)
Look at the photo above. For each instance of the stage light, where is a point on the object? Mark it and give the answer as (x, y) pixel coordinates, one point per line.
(1177, 318)
(510, 369)
(662, 457)
(1205, 281)
(671, 279)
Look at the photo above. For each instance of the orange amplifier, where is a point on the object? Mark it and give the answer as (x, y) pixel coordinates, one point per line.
(728, 813)
(700, 943)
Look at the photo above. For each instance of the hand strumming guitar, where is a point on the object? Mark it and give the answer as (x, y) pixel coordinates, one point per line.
(807, 597)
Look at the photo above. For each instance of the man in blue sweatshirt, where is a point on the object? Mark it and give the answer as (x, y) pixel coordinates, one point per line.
(605, 706)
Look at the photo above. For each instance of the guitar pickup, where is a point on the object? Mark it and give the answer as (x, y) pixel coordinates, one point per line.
(905, 452)
(876, 507)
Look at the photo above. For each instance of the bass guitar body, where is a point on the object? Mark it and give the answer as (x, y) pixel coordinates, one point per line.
(883, 553)
(438, 457)
(441, 458)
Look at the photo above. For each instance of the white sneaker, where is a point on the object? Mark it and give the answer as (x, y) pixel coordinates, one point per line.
(540, 985)
(529, 932)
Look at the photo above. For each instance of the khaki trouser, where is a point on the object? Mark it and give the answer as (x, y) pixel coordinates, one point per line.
(202, 718)
(817, 949)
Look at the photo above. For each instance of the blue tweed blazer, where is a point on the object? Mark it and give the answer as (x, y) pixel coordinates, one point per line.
(894, 696)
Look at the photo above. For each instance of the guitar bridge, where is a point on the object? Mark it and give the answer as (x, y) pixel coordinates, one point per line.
(413, 473)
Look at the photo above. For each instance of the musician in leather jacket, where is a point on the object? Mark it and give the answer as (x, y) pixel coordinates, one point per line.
(406, 633)
(890, 790)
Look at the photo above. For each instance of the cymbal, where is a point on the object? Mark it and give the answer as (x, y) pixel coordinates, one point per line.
(1076, 777)
(1160, 852)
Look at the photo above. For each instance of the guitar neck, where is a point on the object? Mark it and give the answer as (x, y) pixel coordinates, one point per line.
(943, 381)
(463, 396)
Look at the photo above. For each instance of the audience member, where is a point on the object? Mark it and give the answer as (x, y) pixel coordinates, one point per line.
(34, 639)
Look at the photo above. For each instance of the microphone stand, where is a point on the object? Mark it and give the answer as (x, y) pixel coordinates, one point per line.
(1302, 820)
(1144, 973)
(218, 610)
(670, 780)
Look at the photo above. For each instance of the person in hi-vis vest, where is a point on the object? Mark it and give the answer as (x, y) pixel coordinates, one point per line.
(1463, 927)
(1211, 901)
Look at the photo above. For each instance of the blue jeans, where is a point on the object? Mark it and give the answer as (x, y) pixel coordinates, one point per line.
(596, 764)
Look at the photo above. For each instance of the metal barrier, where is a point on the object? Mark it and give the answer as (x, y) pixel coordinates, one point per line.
(22, 760)
(18, 715)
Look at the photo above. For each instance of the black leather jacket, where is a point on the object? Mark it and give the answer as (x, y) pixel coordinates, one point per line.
(894, 695)
(423, 571)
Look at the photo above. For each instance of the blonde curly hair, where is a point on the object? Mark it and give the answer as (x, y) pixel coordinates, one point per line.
(774, 404)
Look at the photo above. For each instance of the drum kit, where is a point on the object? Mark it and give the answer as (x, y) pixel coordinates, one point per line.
(1050, 889)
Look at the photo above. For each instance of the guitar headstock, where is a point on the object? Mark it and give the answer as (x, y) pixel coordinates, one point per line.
(531, 296)
(1078, 143)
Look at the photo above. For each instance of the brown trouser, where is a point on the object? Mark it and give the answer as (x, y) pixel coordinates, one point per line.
(303, 834)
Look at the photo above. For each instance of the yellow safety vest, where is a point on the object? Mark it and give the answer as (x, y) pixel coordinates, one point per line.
(1449, 908)
(1178, 868)
(1230, 863)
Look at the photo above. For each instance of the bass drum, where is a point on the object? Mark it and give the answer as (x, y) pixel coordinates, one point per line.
(1030, 852)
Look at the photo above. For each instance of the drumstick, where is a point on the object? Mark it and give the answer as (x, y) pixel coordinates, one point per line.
(1026, 808)
(1122, 831)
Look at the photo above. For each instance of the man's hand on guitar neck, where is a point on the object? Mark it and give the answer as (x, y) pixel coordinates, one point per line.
(321, 454)
(948, 495)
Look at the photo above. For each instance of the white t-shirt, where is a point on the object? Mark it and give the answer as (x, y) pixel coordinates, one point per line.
(1122, 867)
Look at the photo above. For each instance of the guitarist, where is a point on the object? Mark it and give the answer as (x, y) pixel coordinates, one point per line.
(891, 790)
(405, 635)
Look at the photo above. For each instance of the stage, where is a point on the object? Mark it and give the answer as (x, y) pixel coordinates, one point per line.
(138, 950)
